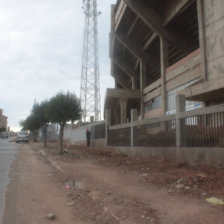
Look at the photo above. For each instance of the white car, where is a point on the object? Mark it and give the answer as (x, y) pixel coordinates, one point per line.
(22, 136)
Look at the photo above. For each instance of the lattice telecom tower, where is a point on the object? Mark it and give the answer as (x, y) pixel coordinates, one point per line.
(90, 82)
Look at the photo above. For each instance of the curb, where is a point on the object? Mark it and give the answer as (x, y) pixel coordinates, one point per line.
(53, 163)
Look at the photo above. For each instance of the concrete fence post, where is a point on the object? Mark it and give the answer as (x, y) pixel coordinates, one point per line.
(107, 125)
(134, 115)
(123, 106)
(180, 107)
(91, 119)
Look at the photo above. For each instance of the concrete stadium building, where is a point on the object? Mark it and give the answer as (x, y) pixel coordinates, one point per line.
(161, 48)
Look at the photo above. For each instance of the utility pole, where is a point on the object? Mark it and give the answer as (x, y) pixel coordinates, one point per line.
(90, 80)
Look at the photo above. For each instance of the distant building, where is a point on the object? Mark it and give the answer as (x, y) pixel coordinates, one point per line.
(3, 120)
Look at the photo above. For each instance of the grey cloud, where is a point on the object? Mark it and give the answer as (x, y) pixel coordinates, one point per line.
(41, 51)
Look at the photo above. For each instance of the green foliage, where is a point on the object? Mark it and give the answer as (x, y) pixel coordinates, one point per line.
(37, 118)
(41, 112)
(31, 123)
(64, 107)
(61, 108)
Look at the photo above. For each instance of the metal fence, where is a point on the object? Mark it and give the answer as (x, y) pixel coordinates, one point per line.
(160, 134)
(119, 137)
(197, 128)
(204, 130)
(98, 131)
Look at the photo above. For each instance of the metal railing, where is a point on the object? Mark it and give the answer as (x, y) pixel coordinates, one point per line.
(204, 130)
(160, 134)
(119, 137)
(98, 131)
(197, 128)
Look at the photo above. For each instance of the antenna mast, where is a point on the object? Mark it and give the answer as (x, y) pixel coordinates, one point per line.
(90, 82)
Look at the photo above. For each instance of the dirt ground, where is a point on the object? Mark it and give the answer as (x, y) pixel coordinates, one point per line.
(104, 187)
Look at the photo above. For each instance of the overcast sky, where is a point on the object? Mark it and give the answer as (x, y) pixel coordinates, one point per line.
(41, 52)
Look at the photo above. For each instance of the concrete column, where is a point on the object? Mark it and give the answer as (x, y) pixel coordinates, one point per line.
(107, 125)
(91, 119)
(143, 74)
(112, 18)
(134, 115)
(116, 85)
(180, 107)
(180, 103)
(164, 64)
(108, 118)
(123, 105)
(116, 116)
(134, 84)
(92, 129)
(202, 38)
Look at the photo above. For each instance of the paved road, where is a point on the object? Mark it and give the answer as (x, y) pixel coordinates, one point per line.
(7, 155)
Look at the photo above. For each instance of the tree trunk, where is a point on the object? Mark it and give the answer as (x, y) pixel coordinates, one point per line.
(45, 135)
(61, 138)
(35, 136)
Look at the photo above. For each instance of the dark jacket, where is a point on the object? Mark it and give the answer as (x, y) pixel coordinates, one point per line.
(88, 133)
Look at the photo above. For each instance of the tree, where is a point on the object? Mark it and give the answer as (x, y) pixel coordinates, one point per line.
(41, 113)
(37, 119)
(64, 107)
(31, 123)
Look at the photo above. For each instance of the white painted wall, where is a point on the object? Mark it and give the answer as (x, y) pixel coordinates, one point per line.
(74, 135)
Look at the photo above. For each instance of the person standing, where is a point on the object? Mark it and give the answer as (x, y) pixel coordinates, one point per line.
(88, 135)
